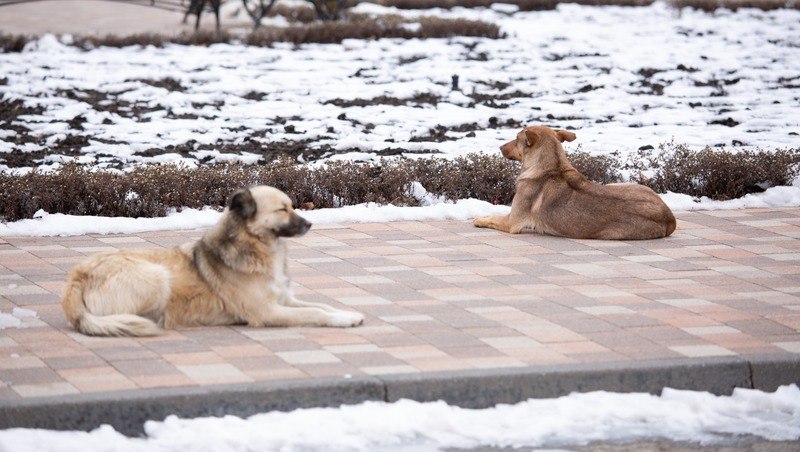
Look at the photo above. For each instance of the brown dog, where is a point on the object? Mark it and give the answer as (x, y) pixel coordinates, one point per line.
(235, 274)
(554, 198)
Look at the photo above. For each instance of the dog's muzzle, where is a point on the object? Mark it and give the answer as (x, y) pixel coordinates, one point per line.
(508, 150)
(297, 225)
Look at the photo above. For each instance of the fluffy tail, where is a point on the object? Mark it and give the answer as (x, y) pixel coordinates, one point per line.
(116, 325)
(105, 325)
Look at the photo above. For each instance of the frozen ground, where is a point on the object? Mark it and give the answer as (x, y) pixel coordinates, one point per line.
(623, 78)
(574, 420)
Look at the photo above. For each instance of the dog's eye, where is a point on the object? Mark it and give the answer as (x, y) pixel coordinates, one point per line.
(282, 210)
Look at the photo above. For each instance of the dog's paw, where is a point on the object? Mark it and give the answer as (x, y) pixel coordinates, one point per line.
(345, 319)
(482, 222)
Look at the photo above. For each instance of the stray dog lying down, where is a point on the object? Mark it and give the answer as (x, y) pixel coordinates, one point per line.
(235, 274)
(554, 198)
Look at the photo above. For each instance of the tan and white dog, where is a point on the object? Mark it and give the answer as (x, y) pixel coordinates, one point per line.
(553, 198)
(235, 274)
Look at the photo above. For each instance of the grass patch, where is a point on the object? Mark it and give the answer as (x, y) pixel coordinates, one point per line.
(152, 190)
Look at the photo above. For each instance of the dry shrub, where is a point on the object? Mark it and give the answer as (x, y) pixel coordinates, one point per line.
(348, 183)
(432, 27)
(13, 43)
(534, 5)
(611, 2)
(141, 39)
(152, 190)
(480, 176)
(361, 27)
(297, 181)
(524, 5)
(197, 38)
(428, 4)
(161, 187)
(325, 32)
(712, 5)
(599, 168)
(148, 191)
(72, 189)
(358, 27)
(722, 174)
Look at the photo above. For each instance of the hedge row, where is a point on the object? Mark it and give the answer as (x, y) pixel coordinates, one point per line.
(534, 5)
(359, 27)
(152, 190)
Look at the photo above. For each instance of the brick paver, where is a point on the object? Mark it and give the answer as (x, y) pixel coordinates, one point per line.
(437, 296)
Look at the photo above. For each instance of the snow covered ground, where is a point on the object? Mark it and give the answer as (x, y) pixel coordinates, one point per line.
(623, 78)
(573, 420)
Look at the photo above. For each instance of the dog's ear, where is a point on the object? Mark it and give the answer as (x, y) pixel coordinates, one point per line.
(564, 135)
(242, 204)
(531, 137)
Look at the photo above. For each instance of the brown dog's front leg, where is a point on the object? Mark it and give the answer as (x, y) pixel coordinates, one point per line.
(501, 223)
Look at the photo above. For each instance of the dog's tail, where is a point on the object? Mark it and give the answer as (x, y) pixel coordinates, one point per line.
(116, 325)
(670, 223)
(101, 325)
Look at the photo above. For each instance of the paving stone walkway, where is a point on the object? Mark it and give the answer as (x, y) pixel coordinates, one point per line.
(438, 296)
(93, 17)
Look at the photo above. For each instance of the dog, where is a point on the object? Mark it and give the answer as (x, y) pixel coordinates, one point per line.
(553, 198)
(235, 274)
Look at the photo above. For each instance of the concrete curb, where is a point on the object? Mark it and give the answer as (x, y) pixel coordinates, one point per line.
(127, 411)
(481, 389)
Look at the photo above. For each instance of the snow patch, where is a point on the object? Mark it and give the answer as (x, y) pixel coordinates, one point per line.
(16, 318)
(573, 420)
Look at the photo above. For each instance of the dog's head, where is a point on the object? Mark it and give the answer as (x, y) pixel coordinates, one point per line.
(531, 138)
(266, 211)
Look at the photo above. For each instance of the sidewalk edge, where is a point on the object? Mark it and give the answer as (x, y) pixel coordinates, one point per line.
(127, 411)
